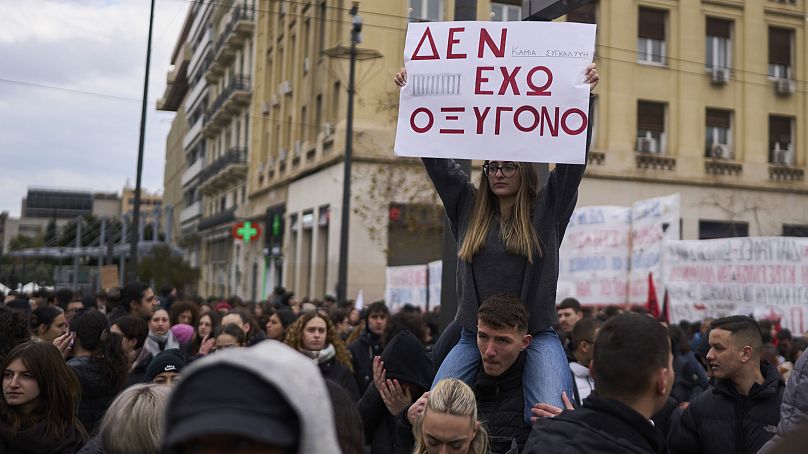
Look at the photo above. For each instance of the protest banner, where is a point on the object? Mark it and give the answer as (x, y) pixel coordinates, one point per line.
(496, 90)
(653, 221)
(594, 256)
(406, 285)
(762, 276)
(435, 274)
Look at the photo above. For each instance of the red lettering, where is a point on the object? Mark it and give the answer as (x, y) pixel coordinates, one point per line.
(498, 117)
(519, 111)
(479, 80)
(565, 126)
(509, 79)
(452, 118)
(452, 41)
(429, 123)
(486, 39)
(427, 36)
(539, 90)
(552, 124)
(480, 118)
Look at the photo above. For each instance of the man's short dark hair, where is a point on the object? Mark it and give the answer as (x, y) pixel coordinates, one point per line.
(570, 303)
(133, 327)
(743, 328)
(133, 291)
(376, 307)
(503, 311)
(584, 330)
(629, 350)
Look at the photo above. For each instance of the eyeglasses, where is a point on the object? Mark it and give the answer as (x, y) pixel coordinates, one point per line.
(508, 170)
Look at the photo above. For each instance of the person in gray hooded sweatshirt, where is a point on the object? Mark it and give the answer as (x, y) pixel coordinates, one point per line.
(264, 399)
(794, 408)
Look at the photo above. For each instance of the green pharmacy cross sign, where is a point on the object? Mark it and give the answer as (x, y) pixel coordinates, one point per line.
(246, 231)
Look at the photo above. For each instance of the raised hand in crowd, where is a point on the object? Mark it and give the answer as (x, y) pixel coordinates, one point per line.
(395, 397)
(65, 343)
(207, 345)
(541, 410)
(417, 408)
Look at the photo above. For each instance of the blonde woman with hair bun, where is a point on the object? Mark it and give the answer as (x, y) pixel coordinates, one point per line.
(449, 423)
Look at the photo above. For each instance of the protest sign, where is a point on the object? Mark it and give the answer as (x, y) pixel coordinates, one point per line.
(496, 90)
(435, 275)
(762, 276)
(653, 221)
(406, 285)
(594, 256)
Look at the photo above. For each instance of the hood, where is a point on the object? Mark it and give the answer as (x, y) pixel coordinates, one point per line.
(579, 370)
(274, 363)
(405, 360)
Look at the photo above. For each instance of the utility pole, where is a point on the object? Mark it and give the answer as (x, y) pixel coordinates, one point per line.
(342, 279)
(136, 215)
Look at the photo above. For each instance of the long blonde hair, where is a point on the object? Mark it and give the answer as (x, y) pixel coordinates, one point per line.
(451, 397)
(134, 421)
(516, 228)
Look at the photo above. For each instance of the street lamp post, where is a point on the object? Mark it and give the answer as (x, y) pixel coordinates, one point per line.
(136, 214)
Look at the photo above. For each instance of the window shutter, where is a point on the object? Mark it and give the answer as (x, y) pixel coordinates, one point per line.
(779, 46)
(652, 24)
(651, 116)
(584, 14)
(718, 118)
(718, 27)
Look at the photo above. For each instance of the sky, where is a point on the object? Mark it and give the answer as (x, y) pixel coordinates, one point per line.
(71, 85)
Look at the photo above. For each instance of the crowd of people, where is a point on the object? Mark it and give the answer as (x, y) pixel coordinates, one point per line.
(141, 372)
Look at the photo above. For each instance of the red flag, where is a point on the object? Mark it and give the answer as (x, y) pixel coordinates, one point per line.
(665, 316)
(653, 303)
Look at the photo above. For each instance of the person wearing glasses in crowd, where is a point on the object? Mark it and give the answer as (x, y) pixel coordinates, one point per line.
(508, 231)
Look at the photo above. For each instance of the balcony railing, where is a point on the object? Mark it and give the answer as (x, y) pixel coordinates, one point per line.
(721, 166)
(238, 28)
(224, 171)
(194, 132)
(785, 173)
(237, 83)
(191, 212)
(655, 161)
(191, 172)
(219, 218)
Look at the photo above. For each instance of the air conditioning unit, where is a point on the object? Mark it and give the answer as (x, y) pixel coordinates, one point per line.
(328, 129)
(785, 86)
(720, 76)
(282, 155)
(298, 148)
(306, 65)
(646, 145)
(784, 156)
(285, 88)
(274, 101)
(264, 108)
(721, 151)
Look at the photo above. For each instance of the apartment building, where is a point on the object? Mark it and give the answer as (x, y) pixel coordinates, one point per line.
(706, 98)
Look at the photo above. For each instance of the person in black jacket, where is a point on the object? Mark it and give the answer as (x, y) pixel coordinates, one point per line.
(369, 344)
(406, 368)
(632, 383)
(741, 412)
(314, 335)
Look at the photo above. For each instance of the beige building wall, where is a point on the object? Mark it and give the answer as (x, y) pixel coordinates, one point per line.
(175, 166)
(744, 187)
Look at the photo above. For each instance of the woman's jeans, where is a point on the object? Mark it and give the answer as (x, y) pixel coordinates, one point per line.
(546, 375)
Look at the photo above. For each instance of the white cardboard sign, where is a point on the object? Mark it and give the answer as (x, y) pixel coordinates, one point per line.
(496, 90)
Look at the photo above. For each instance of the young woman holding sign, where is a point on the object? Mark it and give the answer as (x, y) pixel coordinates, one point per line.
(508, 231)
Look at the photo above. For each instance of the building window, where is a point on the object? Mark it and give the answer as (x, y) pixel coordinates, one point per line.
(795, 230)
(718, 44)
(718, 140)
(780, 53)
(709, 230)
(584, 14)
(650, 127)
(781, 140)
(651, 37)
(426, 10)
(501, 12)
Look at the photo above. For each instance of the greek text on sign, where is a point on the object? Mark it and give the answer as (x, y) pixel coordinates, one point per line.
(496, 90)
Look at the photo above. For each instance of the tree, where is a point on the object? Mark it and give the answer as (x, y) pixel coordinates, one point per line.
(24, 242)
(163, 268)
